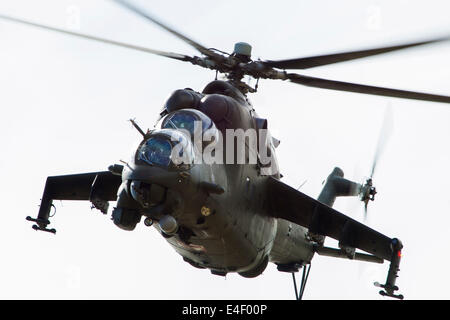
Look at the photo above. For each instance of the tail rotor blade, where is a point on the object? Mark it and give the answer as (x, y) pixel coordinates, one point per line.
(365, 211)
(385, 133)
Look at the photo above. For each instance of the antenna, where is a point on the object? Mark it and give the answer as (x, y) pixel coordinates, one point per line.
(137, 127)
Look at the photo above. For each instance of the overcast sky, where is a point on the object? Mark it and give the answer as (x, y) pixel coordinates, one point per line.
(65, 103)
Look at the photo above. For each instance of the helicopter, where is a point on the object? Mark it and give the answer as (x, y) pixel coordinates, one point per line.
(99, 183)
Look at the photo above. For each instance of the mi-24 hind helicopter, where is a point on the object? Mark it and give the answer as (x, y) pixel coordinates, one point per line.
(228, 216)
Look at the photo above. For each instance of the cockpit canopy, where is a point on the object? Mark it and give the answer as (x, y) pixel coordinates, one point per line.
(166, 148)
(191, 120)
(186, 119)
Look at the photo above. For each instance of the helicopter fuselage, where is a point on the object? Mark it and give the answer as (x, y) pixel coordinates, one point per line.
(238, 235)
(230, 230)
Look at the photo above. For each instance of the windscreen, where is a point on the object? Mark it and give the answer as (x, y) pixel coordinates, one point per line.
(156, 151)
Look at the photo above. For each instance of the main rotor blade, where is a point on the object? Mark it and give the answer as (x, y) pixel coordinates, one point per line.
(385, 132)
(172, 55)
(145, 15)
(365, 89)
(316, 61)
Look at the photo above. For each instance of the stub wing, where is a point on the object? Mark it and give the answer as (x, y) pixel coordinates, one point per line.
(97, 187)
(295, 206)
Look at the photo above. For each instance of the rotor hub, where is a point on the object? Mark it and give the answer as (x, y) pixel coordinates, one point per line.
(368, 191)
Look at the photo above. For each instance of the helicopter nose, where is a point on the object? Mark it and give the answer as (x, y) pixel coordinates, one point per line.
(127, 212)
(147, 194)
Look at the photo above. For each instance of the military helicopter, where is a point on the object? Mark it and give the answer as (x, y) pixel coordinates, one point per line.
(232, 218)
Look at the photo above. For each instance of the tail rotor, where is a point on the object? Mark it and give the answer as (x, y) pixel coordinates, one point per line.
(368, 191)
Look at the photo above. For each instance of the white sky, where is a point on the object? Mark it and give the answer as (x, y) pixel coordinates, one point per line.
(65, 103)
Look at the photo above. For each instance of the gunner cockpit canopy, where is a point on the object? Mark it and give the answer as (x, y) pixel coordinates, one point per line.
(166, 148)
